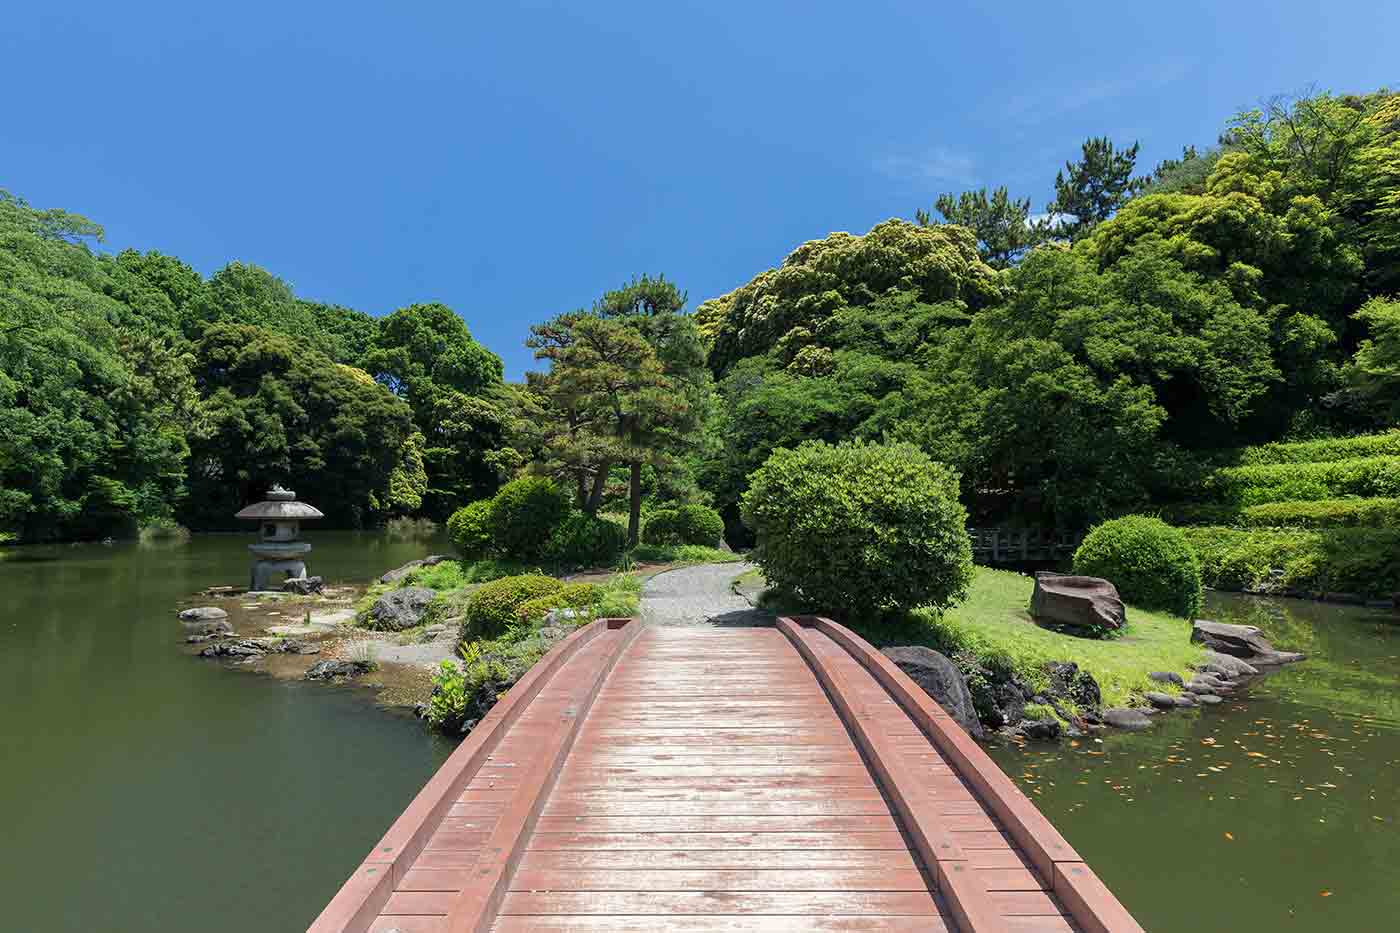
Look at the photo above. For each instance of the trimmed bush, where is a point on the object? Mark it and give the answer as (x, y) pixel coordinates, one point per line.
(583, 540)
(860, 528)
(1291, 482)
(1322, 451)
(524, 516)
(1149, 561)
(493, 607)
(469, 528)
(689, 524)
(572, 596)
(1308, 561)
(1324, 513)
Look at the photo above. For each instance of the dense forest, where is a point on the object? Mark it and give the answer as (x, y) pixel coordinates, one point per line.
(1101, 357)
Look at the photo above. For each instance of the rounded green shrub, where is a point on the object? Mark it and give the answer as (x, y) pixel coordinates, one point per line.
(689, 524)
(469, 528)
(583, 540)
(524, 516)
(493, 607)
(572, 596)
(860, 528)
(1150, 562)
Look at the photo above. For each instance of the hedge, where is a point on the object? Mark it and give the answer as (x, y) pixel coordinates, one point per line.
(1286, 482)
(583, 540)
(571, 596)
(1324, 513)
(1322, 451)
(1362, 561)
(493, 606)
(524, 516)
(689, 524)
(470, 529)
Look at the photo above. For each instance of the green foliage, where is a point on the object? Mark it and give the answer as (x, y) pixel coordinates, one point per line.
(447, 707)
(682, 553)
(1324, 513)
(443, 576)
(570, 596)
(687, 524)
(1089, 191)
(1002, 226)
(1364, 561)
(1375, 370)
(860, 528)
(493, 606)
(1322, 449)
(469, 528)
(1286, 482)
(524, 516)
(584, 540)
(1149, 561)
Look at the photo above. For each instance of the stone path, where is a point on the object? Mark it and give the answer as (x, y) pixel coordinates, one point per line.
(699, 595)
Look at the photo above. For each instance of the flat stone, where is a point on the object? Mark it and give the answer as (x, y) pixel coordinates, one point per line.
(941, 680)
(1187, 699)
(304, 586)
(1201, 689)
(398, 573)
(1241, 641)
(1040, 730)
(1167, 677)
(1160, 700)
(203, 614)
(1133, 720)
(330, 670)
(244, 648)
(1209, 699)
(1228, 665)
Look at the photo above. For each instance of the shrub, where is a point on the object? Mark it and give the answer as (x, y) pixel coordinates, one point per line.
(1364, 561)
(1149, 561)
(1290, 482)
(571, 596)
(689, 524)
(524, 516)
(1320, 451)
(441, 577)
(1324, 513)
(493, 606)
(583, 540)
(860, 527)
(470, 529)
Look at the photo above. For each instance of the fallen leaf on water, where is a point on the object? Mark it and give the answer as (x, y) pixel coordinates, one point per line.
(1230, 836)
(1324, 894)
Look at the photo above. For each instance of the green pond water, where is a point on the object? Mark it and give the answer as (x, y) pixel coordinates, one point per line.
(147, 790)
(1276, 810)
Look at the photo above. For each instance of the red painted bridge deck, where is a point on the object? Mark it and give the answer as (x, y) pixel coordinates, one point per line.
(765, 778)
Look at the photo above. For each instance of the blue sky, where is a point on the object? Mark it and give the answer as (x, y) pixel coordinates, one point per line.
(514, 160)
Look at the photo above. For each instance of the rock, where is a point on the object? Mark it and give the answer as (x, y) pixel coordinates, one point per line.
(304, 586)
(1208, 677)
(290, 646)
(1086, 603)
(556, 616)
(1133, 720)
(1228, 665)
(1201, 689)
(329, 670)
(206, 629)
(203, 614)
(434, 630)
(1167, 677)
(1067, 680)
(400, 609)
(1240, 641)
(941, 680)
(1040, 730)
(1209, 699)
(1160, 700)
(243, 648)
(397, 574)
(1187, 699)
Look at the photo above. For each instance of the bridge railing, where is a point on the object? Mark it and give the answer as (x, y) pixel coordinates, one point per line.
(1012, 545)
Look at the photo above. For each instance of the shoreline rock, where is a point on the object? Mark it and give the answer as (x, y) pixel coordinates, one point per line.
(1240, 641)
(940, 679)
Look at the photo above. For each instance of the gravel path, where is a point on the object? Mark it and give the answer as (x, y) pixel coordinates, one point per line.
(699, 595)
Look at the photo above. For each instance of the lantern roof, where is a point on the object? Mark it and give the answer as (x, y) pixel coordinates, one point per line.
(280, 504)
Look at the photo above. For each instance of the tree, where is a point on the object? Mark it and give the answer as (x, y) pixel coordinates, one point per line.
(1375, 370)
(1091, 190)
(1003, 227)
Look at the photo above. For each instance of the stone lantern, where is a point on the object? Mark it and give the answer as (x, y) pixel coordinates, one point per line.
(278, 550)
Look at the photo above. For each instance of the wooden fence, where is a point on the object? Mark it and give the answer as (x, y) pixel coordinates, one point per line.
(1017, 545)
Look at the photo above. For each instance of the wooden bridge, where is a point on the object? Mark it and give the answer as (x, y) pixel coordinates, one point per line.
(684, 778)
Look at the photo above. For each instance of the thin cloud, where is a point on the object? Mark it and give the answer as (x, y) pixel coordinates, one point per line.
(1042, 105)
(939, 164)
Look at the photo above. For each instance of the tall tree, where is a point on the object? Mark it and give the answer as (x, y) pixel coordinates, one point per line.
(1002, 225)
(1091, 190)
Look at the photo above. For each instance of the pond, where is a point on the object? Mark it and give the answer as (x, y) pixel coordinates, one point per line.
(1276, 810)
(147, 790)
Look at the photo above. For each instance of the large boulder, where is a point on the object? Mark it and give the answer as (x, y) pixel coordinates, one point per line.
(1132, 720)
(400, 609)
(1090, 604)
(1240, 641)
(330, 670)
(1067, 680)
(1227, 665)
(940, 679)
(398, 573)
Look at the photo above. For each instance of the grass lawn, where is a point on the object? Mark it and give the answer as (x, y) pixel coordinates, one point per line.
(994, 624)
